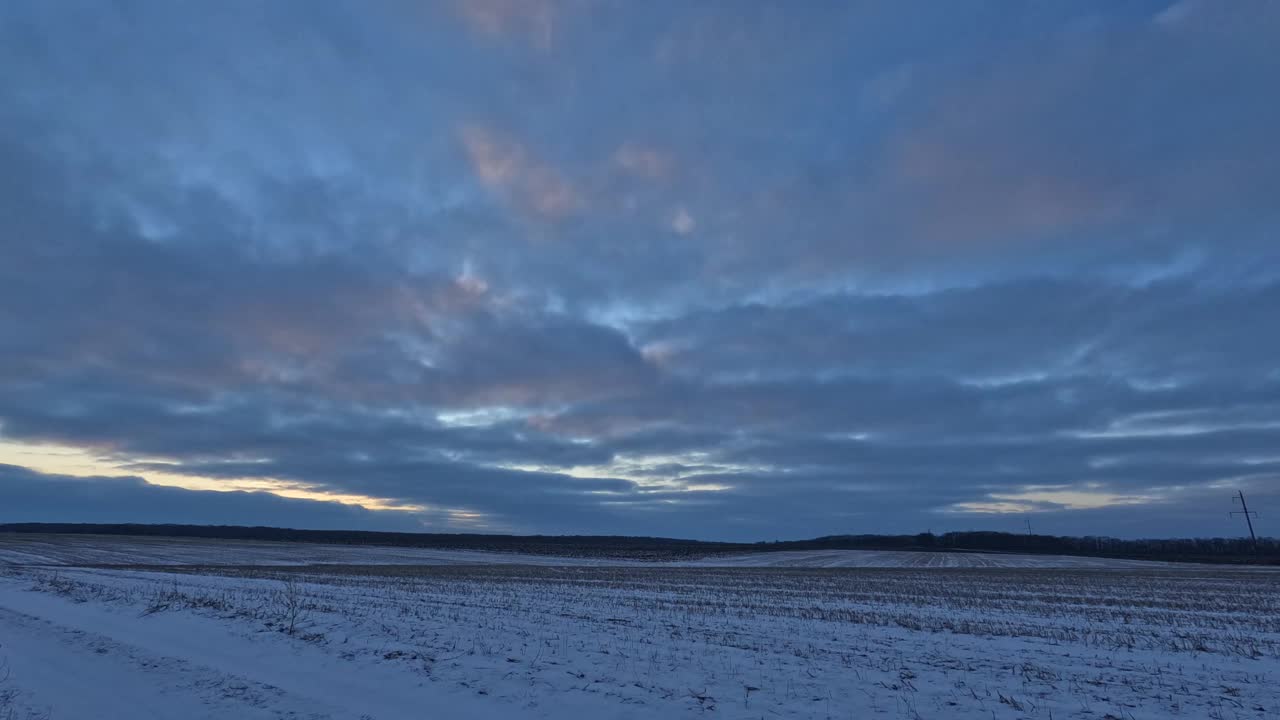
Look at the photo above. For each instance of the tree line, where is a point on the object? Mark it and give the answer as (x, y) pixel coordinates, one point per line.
(1233, 550)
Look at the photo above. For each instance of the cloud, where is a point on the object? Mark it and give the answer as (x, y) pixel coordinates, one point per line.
(1101, 130)
(37, 497)
(534, 20)
(504, 165)
(703, 271)
(646, 162)
(1168, 330)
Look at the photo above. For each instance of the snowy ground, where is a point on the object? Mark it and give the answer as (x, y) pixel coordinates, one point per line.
(502, 641)
(916, 559)
(37, 549)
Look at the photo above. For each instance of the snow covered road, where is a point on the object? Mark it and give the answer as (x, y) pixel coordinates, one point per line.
(83, 661)
(72, 673)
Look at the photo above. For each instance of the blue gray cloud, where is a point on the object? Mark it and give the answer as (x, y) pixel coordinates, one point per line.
(719, 270)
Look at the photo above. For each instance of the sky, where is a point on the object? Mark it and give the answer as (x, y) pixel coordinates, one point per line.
(735, 270)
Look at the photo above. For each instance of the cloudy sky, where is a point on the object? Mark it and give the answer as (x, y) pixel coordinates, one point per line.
(738, 270)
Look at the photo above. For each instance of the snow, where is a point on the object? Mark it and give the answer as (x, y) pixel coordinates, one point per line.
(541, 641)
(37, 549)
(916, 559)
(86, 661)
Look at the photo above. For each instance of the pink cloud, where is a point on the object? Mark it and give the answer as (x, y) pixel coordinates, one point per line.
(507, 167)
(531, 20)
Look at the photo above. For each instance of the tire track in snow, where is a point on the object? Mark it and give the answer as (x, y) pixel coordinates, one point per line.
(74, 674)
(86, 661)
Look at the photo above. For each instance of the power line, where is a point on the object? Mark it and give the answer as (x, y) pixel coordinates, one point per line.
(1248, 517)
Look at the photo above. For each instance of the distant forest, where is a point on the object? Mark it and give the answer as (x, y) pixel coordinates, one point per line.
(1215, 550)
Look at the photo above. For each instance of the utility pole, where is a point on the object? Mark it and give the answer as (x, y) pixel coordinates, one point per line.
(1248, 517)
(1028, 525)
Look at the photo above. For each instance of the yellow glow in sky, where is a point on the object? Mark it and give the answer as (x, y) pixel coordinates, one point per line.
(80, 462)
(1024, 501)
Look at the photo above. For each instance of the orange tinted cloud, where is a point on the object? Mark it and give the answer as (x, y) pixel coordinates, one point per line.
(533, 20)
(506, 166)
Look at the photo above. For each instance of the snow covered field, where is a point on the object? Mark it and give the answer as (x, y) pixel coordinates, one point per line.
(916, 559)
(580, 641)
(36, 549)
